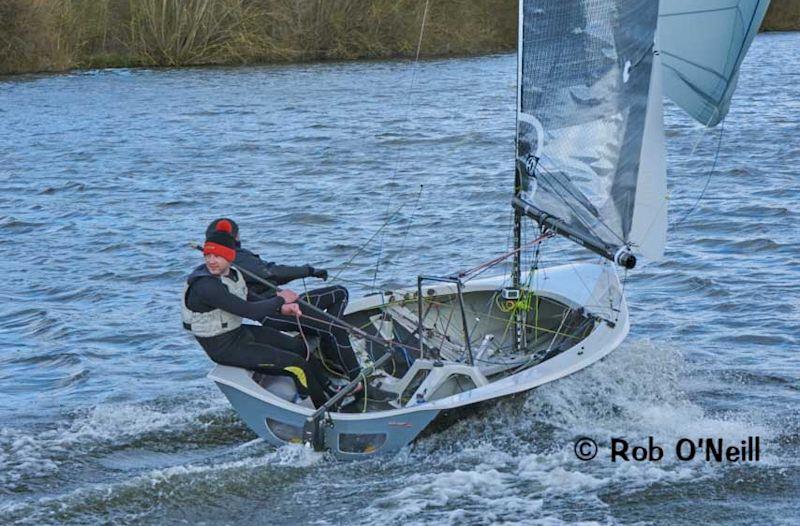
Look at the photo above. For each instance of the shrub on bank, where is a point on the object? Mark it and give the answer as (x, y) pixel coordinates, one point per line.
(52, 35)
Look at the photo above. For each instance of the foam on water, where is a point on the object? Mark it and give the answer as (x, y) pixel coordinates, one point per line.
(513, 462)
(26, 456)
(130, 499)
(523, 468)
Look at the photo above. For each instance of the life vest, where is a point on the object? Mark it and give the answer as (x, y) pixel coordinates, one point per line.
(217, 321)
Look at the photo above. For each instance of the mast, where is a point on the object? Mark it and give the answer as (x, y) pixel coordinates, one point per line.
(516, 270)
(517, 265)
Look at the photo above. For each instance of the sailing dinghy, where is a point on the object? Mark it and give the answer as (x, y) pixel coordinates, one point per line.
(590, 167)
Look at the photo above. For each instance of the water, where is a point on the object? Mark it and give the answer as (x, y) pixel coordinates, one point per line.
(105, 414)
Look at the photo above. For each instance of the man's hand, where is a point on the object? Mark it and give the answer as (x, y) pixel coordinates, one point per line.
(320, 273)
(291, 309)
(289, 296)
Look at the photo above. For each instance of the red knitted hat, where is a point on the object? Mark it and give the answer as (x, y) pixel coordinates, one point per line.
(222, 244)
(225, 224)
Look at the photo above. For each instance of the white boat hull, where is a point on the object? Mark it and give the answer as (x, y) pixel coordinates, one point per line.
(594, 287)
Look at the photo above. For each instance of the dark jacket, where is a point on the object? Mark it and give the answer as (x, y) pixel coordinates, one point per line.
(268, 270)
(207, 292)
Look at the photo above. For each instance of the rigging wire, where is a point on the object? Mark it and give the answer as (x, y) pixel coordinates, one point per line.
(367, 242)
(405, 118)
(471, 273)
(702, 136)
(708, 179)
(405, 237)
(621, 297)
(578, 199)
(410, 222)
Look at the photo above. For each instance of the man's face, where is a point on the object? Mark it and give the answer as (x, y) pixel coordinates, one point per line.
(217, 265)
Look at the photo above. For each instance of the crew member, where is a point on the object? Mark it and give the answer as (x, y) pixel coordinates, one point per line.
(335, 341)
(215, 299)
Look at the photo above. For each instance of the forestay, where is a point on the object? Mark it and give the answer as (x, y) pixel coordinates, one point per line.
(702, 47)
(584, 82)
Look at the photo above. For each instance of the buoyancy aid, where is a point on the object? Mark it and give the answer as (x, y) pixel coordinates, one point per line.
(217, 321)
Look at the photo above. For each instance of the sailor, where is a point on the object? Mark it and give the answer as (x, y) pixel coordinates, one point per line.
(337, 351)
(215, 299)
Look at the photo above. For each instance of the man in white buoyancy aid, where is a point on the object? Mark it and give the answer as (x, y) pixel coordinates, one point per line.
(214, 303)
(336, 348)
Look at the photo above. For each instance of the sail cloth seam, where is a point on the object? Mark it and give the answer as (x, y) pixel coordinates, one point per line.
(577, 65)
(739, 56)
(700, 11)
(708, 100)
(649, 51)
(726, 84)
(693, 63)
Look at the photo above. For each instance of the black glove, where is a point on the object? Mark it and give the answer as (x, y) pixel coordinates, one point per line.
(320, 273)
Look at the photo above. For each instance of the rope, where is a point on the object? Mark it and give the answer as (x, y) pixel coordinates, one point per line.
(364, 383)
(577, 197)
(502, 257)
(303, 336)
(524, 325)
(410, 223)
(367, 242)
(330, 319)
(621, 294)
(708, 179)
(349, 329)
(405, 118)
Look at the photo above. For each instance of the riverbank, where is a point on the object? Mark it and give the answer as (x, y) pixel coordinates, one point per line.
(58, 35)
(783, 15)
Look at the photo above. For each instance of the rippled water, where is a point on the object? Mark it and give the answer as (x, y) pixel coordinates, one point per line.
(105, 414)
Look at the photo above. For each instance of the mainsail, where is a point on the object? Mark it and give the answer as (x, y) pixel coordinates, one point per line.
(702, 46)
(584, 84)
(590, 133)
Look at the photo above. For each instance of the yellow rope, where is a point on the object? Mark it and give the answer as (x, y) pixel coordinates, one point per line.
(524, 325)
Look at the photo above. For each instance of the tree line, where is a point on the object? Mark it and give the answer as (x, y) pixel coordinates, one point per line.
(57, 35)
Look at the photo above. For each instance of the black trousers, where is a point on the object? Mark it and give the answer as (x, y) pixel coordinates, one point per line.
(334, 341)
(270, 351)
